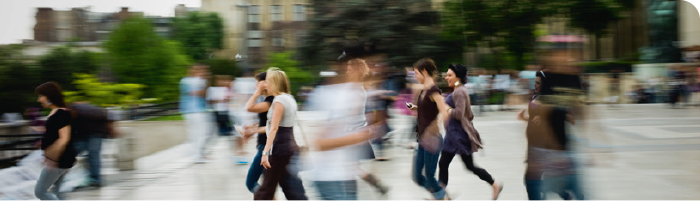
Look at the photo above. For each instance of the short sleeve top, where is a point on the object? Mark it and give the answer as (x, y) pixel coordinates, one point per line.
(61, 118)
(290, 109)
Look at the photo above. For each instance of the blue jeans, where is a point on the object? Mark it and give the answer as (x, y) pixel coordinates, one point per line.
(337, 190)
(566, 186)
(429, 161)
(93, 145)
(49, 176)
(255, 171)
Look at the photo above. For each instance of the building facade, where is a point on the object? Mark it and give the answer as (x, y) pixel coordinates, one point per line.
(256, 28)
(79, 24)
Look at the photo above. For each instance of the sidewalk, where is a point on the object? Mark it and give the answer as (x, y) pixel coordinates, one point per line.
(629, 152)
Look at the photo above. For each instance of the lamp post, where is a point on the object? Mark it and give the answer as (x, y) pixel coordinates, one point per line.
(243, 59)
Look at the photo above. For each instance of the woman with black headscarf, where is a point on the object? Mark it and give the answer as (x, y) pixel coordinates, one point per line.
(462, 138)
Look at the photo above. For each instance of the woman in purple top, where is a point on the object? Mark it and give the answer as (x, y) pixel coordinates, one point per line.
(461, 138)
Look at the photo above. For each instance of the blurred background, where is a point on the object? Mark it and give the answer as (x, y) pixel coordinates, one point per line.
(130, 57)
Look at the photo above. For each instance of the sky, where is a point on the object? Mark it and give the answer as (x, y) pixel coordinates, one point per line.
(17, 17)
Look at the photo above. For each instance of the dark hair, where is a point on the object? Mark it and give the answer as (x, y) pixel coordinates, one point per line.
(261, 76)
(426, 64)
(53, 92)
(460, 72)
(545, 86)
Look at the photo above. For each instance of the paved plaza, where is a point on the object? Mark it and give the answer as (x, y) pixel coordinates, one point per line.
(626, 152)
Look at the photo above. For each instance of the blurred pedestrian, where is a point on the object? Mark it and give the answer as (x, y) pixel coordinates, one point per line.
(339, 146)
(90, 127)
(256, 169)
(430, 104)
(59, 153)
(193, 90)
(219, 97)
(280, 134)
(550, 167)
(462, 138)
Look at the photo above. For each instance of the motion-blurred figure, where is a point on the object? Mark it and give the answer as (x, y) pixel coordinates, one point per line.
(462, 138)
(59, 152)
(219, 97)
(430, 104)
(193, 108)
(280, 134)
(343, 141)
(90, 127)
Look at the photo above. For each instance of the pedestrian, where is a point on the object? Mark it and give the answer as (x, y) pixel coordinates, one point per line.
(280, 135)
(90, 127)
(430, 105)
(59, 153)
(218, 97)
(337, 154)
(550, 167)
(462, 138)
(193, 90)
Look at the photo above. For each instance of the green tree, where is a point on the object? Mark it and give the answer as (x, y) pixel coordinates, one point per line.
(57, 66)
(594, 17)
(297, 77)
(404, 30)
(17, 80)
(200, 33)
(508, 26)
(137, 55)
(223, 67)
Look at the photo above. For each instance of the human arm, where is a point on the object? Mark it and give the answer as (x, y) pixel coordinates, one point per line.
(251, 106)
(522, 115)
(277, 113)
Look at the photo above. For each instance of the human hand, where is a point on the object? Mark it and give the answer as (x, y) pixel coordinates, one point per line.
(264, 161)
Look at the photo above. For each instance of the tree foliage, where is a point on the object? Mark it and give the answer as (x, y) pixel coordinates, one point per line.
(200, 33)
(17, 81)
(139, 56)
(90, 89)
(405, 30)
(62, 61)
(297, 77)
(223, 67)
(510, 25)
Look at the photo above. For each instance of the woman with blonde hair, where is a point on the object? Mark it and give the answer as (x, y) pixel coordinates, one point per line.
(280, 135)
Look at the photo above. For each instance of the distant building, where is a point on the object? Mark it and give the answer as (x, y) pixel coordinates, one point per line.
(181, 10)
(77, 24)
(256, 28)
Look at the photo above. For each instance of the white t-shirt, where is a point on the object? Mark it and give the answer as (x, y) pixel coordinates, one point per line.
(345, 108)
(218, 94)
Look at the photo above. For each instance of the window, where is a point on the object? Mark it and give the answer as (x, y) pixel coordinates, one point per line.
(254, 14)
(278, 42)
(254, 43)
(255, 34)
(276, 13)
(299, 12)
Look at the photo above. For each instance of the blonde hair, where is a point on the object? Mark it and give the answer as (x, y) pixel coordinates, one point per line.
(359, 65)
(278, 79)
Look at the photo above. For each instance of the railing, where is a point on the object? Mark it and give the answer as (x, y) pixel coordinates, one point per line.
(165, 109)
(16, 146)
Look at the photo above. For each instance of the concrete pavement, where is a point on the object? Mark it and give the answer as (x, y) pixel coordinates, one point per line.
(628, 152)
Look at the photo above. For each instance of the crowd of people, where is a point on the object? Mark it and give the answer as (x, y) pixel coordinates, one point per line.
(355, 105)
